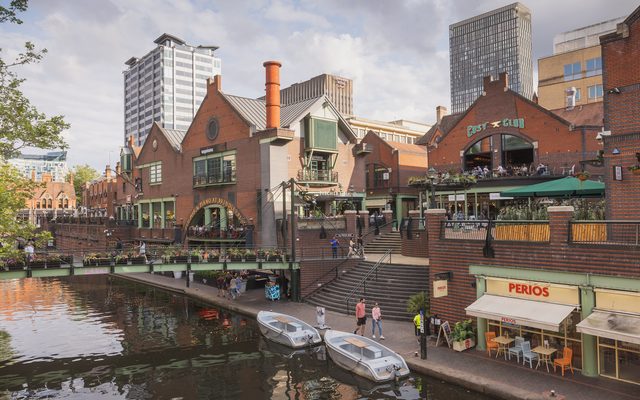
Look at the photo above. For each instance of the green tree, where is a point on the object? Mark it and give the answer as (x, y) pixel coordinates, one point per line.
(81, 175)
(21, 125)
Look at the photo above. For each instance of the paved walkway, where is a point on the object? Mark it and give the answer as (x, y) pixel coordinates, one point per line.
(472, 369)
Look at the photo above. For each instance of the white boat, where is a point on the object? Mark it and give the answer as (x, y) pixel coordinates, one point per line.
(364, 356)
(287, 330)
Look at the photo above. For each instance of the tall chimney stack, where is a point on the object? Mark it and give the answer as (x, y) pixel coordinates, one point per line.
(441, 111)
(272, 84)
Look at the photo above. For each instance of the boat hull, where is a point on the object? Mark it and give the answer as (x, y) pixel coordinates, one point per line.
(365, 357)
(287, 330)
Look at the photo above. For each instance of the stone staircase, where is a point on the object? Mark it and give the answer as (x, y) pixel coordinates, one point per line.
(384, 242)
(394, 285)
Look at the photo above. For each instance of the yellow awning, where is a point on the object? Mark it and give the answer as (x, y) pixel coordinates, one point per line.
(377, 202)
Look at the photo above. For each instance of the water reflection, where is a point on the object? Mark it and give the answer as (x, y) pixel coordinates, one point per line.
(96, 337)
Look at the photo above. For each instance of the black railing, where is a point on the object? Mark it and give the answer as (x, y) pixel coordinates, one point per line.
(363, 282)
(615, 233)
(325, 279)
(502, 231)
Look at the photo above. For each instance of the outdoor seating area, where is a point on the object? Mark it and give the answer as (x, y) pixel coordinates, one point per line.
(534, 357)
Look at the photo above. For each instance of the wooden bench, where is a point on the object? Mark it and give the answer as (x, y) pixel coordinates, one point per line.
(356, 342)
(282, 319)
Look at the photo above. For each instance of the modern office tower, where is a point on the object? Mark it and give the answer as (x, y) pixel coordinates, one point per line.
(338, 89)
(33, 166)
(488, 44)
(572, 76)
(167, 85)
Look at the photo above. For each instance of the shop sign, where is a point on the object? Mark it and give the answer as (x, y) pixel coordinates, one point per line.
(503, 123)
(530, 290)
(616, 300)
(496, 196)
(456, 197)
(440, 288)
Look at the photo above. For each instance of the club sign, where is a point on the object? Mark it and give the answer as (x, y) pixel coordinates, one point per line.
(502, 123)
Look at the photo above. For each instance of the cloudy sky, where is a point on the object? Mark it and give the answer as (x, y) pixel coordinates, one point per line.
(395, 51)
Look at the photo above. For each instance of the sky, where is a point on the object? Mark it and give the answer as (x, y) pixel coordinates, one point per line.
(396, 52)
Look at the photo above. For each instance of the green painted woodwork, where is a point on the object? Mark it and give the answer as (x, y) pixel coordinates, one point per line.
(481, 326)
(589, 343)
(322, 135)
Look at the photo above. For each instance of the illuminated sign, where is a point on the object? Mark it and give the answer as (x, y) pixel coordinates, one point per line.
(503, 123)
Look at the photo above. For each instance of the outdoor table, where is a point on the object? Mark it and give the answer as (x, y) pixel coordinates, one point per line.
(503, 345)
(545, 355)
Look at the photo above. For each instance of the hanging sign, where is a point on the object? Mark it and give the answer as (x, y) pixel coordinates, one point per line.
(440, 288)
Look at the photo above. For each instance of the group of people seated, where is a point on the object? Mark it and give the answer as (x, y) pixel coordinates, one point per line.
(482, 172)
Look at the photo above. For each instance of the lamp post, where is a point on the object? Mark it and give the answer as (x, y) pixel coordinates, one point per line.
(432, 174)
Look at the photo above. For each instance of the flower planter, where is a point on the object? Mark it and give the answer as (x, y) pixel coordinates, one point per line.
(179, 259)
(463, 345)
(38, 264)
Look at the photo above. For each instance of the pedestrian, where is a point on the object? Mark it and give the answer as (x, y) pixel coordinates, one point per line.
(29, 251)
(376, 320)
(238, 285)
(220, 285)
(334, 247)
(233, 288)
(119, 246)
(416, 324)
(360, 247)
(352, 248)
(142, 250)
(227, 284)
(361, 317)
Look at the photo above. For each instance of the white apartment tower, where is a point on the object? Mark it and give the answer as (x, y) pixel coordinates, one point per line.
(167, 85)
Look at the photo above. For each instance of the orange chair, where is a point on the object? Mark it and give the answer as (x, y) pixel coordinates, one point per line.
(564, 362)
(491, 345)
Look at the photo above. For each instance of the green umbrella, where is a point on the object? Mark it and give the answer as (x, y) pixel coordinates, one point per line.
(564, 187)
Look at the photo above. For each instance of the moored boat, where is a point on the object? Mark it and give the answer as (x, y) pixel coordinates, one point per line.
(364, 356)
(287, 330)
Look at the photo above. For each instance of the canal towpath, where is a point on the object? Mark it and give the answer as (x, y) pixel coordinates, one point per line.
(474, 370)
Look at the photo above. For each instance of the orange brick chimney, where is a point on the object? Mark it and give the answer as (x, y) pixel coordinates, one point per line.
(272, 84)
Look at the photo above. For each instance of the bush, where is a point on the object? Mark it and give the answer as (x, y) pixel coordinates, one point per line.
(417, 302)
(463, 330)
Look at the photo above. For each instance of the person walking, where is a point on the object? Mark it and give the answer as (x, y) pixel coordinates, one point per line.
(352, 249)
(233, 288)
(416, 324)
(142, 250)
(334, 247)
(376, 320)
(361, 317)
(29, 251)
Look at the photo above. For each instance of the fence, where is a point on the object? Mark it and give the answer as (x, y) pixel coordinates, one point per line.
(509, 231)
(616, 233)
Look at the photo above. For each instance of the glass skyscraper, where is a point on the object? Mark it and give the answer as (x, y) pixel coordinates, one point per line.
(167, 85)
(487, 44)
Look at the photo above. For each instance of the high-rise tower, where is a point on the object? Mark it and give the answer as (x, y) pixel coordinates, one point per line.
(488, 44)
(167, 85)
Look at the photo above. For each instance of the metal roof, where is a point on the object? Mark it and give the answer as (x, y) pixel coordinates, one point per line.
(174, 136)
(254, 111)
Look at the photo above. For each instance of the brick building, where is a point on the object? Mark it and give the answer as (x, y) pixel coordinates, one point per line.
(226, 172)
(621, 80)
(52, 199)
(388, 168)
(510, 135)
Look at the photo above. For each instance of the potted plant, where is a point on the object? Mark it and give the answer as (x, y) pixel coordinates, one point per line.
(417, 302)
(235, 254)
(121, 259)
(583, 175)
(463, 335)
(635, 169)
(250, 255)
(194, 255)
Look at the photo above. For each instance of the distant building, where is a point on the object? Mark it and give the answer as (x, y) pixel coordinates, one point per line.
(54, 198)
(166, 86)
(53, 163)
(572, 76)
(340, 91)
(489, 44)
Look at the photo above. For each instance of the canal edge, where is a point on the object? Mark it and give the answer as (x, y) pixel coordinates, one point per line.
(449, 375)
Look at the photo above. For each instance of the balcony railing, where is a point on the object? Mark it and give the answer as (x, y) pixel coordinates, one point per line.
(314, 175)
(215, 179)
(503, 231)
(614, 233)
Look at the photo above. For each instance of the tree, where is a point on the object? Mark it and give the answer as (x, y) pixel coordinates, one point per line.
(21, 125)
(81, 175)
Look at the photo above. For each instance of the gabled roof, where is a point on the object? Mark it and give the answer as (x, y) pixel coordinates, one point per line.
(591, 114)
(407, 147)
(174, 137)
(445, 125)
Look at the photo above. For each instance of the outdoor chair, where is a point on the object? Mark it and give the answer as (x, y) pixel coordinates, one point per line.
(517, 348)
(491, 345)
(527, 354)
(564, 362)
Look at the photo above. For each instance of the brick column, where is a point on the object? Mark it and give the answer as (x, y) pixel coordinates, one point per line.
(559, 217)
(388, 218)
(350, 222)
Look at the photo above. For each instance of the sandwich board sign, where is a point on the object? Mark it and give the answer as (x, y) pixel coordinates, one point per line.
(445, 331)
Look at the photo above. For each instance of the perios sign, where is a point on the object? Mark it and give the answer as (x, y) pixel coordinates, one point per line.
(506, 122)
(531, 290)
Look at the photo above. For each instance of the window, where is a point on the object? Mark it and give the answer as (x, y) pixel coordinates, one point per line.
(594, 66)
(578, 94)
(572, 71)
(595, 91)
(155, 173)
(212, 169)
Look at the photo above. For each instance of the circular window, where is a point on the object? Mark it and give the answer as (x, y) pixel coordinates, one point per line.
(212, 129)
(155, 144)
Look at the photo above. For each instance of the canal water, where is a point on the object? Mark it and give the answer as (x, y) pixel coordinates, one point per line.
(102, 337)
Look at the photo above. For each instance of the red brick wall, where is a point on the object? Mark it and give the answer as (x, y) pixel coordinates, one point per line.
(317, 272)
(558, 255)
(417, 245)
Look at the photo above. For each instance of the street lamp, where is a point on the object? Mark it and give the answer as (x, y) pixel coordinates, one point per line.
(432, 174)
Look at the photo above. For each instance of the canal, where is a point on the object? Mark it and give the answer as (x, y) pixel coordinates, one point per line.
(102, 337)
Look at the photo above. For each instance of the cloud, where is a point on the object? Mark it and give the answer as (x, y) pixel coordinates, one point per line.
(396, 52)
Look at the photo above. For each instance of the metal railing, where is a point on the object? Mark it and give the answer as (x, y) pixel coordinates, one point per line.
(363, 282)
(317, 175)
(501, 230)
(614, 233)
